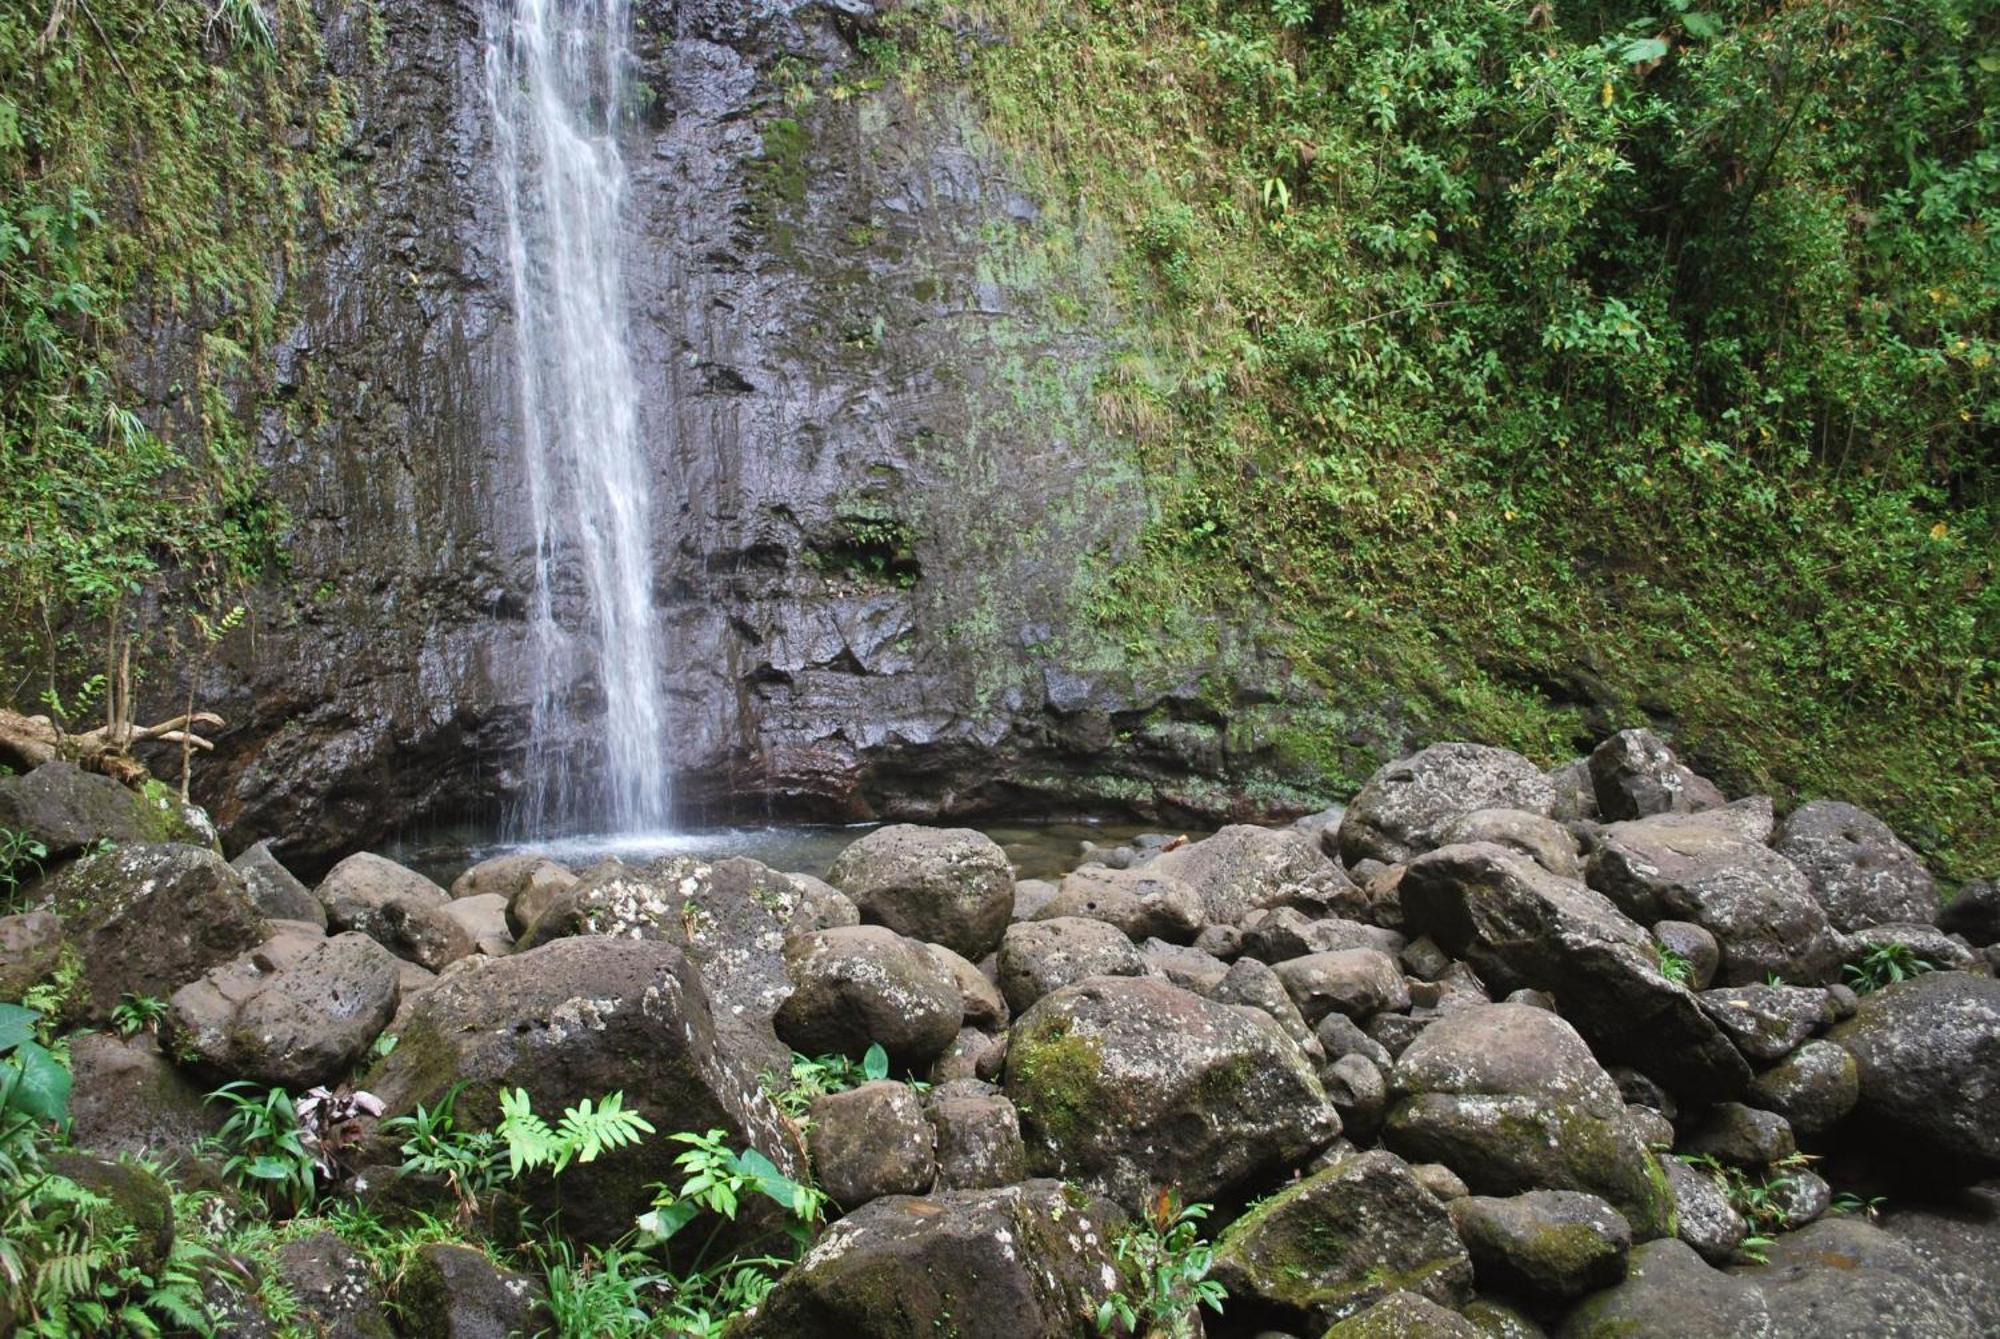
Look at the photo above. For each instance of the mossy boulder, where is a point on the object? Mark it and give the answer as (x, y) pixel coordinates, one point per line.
(950, 886)
(1407, 805)
(1337, 1242)
(1510, 1098)
(127, 1098)
(858, 985)
(68, 810)
(1131, 1084)
(451, 1291)
(1551, 1245)
(137, 1199)
(1405, 1315)
(1668, 1293)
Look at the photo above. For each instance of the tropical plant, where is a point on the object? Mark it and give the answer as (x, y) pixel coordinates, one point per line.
(137, 1013)
(33, 1083)
(599, 1291)
(471, 1163)
(1166, 1254)
(21, 856)
(585, 1130)
(1763, 1199)
(1673, 966)
(1885, 965)
(815, 1076)
(267, 1153)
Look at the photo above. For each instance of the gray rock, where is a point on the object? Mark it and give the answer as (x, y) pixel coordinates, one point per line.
(1695, 946)
(1359, 1092)
(1742, 1136)
(1814, 1088)
(580, 1018)
(126, 1098)
(1340, 1035)
(978, 1141)
(1130, 1083)
(1358, 982)
(1767, 1023)
(950, 886)
(67, 809)
(1634, 774)
(1974, 912)
(1039, 956)
(450, 1291)
(1655, 1131)
(862, 984)
(1576, 796)
(871, 1141)
(1188, 968)
(1553, 1245)
(1330, 1246)
(1404, 1315)
(1928, 942)
(1844, 1278)
(31, 946)
(1242, 869)
(483, 916)
(960, 1060)
(1958, 1240)
(273, 889)
(334, 1288)
(1142, 903)
(1927, 1053)
(1030, 1259)
(146, 920)
(1280, 933)
(1220, 941)
(543, 882)
(984, 1005)
(1800, 1196)
(500, 875)
(1496, 1319)
(1251, 982)
(1031, 895)
(293, 1013)
(1536, 836)
(1440, 1180)
(1860, 872)
(820, 906)
(1700, 868)
(1406, 806)
(1511, 1099)
(1520, 926)
(1668, 1293)
(397, 907)
(1703, 1215)
(370, 879)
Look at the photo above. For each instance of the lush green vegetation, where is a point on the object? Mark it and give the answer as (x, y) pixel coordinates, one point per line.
(158, 159)
(1526, 360)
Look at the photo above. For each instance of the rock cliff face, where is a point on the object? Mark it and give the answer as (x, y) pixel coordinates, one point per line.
(883, 500)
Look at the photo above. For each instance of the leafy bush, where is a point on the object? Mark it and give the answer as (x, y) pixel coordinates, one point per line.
(1171, 1262)
(1885, 965)
(267, 1153)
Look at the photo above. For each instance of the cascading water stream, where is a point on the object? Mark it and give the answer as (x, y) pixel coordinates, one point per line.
(556, 78)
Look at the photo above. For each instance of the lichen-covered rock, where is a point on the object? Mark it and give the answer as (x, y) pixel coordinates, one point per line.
(1039, 956)
(1280, 933)
(1974, 912)
(1927, 942)
(1243, 868)
(1845, 1278)
(950, 886)
(1814, 1088)
(538, 887)
(292, 1013)
(1860, 871)
(1536, 836)
(857, 985)
(1340, 1240)
(1633, 774)
(1520, 926)
(1703, 1215)
(335, 1290)
(146, 920)
(1692, 945)
(1576, 797)
(31, 949)
(1668, 1293)
(1703, 868)
(1405, 1315)
(1742, 1136)
(1958, 1239)
(1927, 1054)
(1548, 1244)
(1358, 982)
(985, 1007)
(1404, 808)
(871, 1141)
(1143, 903)
(1131, 1084)
(1511, 1099)
(67, 810)
(1251, 982)
(978, 1138)
(578, 1019)
(449, 1291)
(1359, 1092)
(1766, 1022)
(1189, 968)
(367, 879)
(397, 908)
(1031, 1259)
(277, 893)
(127, 1098)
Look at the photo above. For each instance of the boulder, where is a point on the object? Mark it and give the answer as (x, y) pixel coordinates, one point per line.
(1405, 807)
(1030, 1259)
(67, 810)
(949, 886)
(1251, 982)
(1927, 942)
(1692, 945)
(1668, 1293)
(1405, 1315)
(1814, 1088)
(857, 985)
(1142, 903)
(276, 892)
(1860, 872)
(1511, 1099)
(1286, 932)
(1132, 1084)
(1767, 1023)
(1031, 895)
(1536, 836)
(1039, 956)
(576, 1019)
(539, 887)
(871, 1141)
(1844, 1278)
(1331, 1245)
(821, 906)
(450, 1291)
(1358, 982)
(1702, 868)
(1189, 968)
(126, 1098)
(1242, 869)
(1634, 774)
(397, 908)
(1927, 1054)
(293, 1013)
(336, 1291)
(1551, 1245)
(978, 1135)
(146, 920)
(31, 949)
(1958, 1240)
(985, 1007)
(500, 875)
(1359, 1092)
(1576, 796)
(1742, 1136)
(483, 916)
(1974, 912)
(1520, 926)
(366, 879)
(138, 1201)
(1703, 1215)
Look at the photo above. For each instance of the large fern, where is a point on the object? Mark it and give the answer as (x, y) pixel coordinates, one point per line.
(586, 1130)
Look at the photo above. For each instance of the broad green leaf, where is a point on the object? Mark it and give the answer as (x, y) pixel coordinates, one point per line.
(42, 1090)
(875, 1064)
(1643, 49)
(16, 1025)
(1702, 25)
(667, 1219)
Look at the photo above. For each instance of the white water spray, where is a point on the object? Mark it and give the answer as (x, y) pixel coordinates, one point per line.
(556, 79)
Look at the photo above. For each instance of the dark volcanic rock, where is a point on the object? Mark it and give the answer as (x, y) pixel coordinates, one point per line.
(1844, 1278)
(1406, 806)
(448, 1291)
(1039, 956)
(1634, 774)
(1668, 1293)
(278, 894)
(949, 886)
(871, 1141)
(1242, 869)
(1860, 872)
(863, 984)
(1927, 1052)
(1546, 1244)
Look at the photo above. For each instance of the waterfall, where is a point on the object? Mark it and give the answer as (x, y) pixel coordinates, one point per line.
(556, 79)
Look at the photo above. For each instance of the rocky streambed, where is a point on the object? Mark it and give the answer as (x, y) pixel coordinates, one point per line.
(1494, 1050)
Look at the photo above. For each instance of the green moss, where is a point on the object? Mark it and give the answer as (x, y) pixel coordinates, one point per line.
(1057, 1078)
